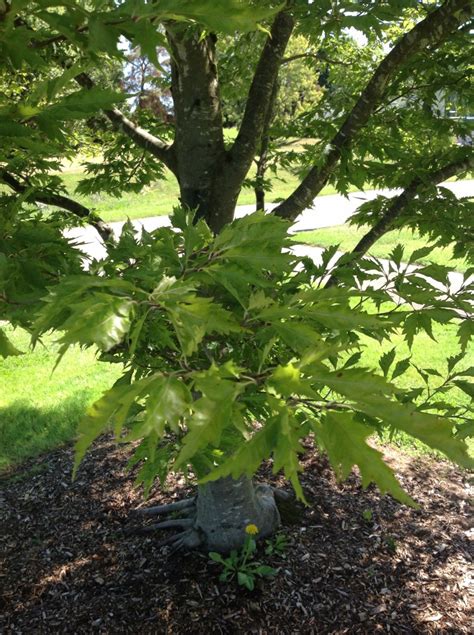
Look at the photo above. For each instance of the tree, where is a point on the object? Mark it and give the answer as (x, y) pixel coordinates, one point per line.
(234, 350)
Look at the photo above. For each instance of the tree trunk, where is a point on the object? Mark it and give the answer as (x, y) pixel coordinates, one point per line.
(199, 138)
(210, 179)
(225, 507)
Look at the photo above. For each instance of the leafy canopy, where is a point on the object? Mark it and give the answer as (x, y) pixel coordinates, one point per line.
(233, 351)
(233, 354)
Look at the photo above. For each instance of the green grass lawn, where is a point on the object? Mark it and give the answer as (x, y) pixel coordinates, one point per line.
(347, 237)
(425, 353)
(159, 198)
(39, 411)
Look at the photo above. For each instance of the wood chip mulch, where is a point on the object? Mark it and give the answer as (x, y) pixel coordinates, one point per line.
(356, 562)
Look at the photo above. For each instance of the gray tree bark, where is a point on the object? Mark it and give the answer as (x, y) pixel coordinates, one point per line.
(225, 507)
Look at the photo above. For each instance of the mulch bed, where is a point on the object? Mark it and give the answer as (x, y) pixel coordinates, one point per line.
(357, 562)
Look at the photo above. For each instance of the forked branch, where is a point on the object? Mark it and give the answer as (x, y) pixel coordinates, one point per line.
(430, 32)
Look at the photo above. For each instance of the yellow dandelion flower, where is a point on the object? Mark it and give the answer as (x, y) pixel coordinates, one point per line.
(251, 529)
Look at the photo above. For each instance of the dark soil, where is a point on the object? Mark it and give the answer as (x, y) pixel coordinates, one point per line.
(356, 562)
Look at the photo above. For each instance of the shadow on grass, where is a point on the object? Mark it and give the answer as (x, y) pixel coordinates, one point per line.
(26, 431)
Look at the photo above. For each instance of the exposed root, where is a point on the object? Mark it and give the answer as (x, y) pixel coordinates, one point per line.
(189, 539)
(215, 519)
(180, 505)
(166, 524)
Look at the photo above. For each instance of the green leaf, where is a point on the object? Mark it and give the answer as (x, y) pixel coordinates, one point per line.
(344, 440)
(169, 399)
(211, 413)
(264, 570)
(102, 37)
(296, 335)
(454, 360)
(353, 382)
(434, 431)
(111, 410)
(287, 380)
(81, 104)
(397, 254)
(465, 386)
(246, 580)
(287, 448)
(386, 361)
(337, 317)
(401, 367)
(420, 253)
(195, 317)
(248, 457)
(7, 349)
(154, 463)
(465, 333)
(213, 555)
(101, 319)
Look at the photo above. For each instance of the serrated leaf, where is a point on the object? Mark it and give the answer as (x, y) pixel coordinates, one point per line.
(195, 316)
(454, 360)
(397, 254)
(401, 367)
(420, 253)
(167, 402)
(101, 319)
(465, 386)
(111, 410)
(248, 456)
(102, 37)
(154, 463)
(210, 415)
(353, 382)
(287, 380)
(434, 431)
(353, 360)
(285, 454)
(386, 361)
(465, 333)
(344, 440)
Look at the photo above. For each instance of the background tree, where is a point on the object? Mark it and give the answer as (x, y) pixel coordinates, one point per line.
(233, 350)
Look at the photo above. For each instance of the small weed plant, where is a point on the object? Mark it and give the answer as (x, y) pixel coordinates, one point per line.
(241, 565)
(276, 546)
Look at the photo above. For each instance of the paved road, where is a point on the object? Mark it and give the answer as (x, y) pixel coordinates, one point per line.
(327, 211)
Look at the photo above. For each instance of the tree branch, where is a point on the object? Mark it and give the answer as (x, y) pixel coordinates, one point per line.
(260, 94)
(58, 200)
(401, 202)
(154, 145)
(262, 161)
(319, 56)
(435, 28)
